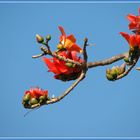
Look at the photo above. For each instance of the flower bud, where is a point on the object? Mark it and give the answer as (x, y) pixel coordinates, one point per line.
(26, 104)
(73, 65)
(59, 46)
(33, 101)
(109, 77)
(126, 59)
(42, 99)
(39, 38)
(26, 98)
(69, 64)
(114, 72)
(108, 71)
(117, 69)
(122, 69)
(48, 37)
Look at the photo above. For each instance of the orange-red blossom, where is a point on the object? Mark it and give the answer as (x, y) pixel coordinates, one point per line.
(68, 42)
(62, 70)
(134, 21)
(36, 92)
(132, 39)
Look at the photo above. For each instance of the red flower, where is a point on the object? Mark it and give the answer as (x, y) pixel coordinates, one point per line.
(36, 92)
(134, 21)
(62, 70)
(68, 42)
(35, 96)
(133, 40)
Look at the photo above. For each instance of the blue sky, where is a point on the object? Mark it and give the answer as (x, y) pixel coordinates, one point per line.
(96, 107)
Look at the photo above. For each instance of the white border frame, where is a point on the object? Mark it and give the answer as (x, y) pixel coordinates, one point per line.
(69, 2)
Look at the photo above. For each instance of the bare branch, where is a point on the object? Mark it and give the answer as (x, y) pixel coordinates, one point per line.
(38, 55)
(47, 45)
(84, 50)
(138, 68)
(57, 99)
(54, 100)
(107, 61)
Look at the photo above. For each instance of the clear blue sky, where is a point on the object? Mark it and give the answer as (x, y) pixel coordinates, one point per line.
(96, 107)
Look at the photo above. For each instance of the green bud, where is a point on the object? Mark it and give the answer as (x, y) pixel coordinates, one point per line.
(26, 98)
(69, 64)
(48, 37)
(39, 38)
(108, 71)
(117, 70)
(59, 46)
(109, 77)
(33, 101)
(114, 72)
(126, 59)
(42, 99)
(122, 69)
(73, 65)
(25, 104)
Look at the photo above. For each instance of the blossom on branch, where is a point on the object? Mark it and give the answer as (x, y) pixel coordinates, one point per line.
(64, 71)
(66, 65)
(34, 96)
(68, 42)
(37, 92)
(133, 40)
(134, 21)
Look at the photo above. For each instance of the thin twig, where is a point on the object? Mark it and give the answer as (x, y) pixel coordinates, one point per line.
(138, 68)
(54, 100)
(128, 70)
(107, 61)
(38, 55)
(59, 56)
(47, 45)
(84, 50)
(57, 99)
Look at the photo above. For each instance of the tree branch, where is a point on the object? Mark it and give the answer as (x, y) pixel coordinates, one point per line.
(54, 100)
(57, 99)
(84, 50)
(107, 61)
(128, 70)
(54, 54)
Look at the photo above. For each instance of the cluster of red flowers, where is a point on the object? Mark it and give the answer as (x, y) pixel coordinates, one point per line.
(68, 70)
(134, 25)
(64, 71)
(35, 96)
(67, 48)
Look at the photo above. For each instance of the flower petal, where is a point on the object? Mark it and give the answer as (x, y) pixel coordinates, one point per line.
(76, 48)
(131, 17)
(71, 38)
(132, 41)
(62, 30)
(132, 25)
(51, 65)
(63, 36)
(126, 36)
